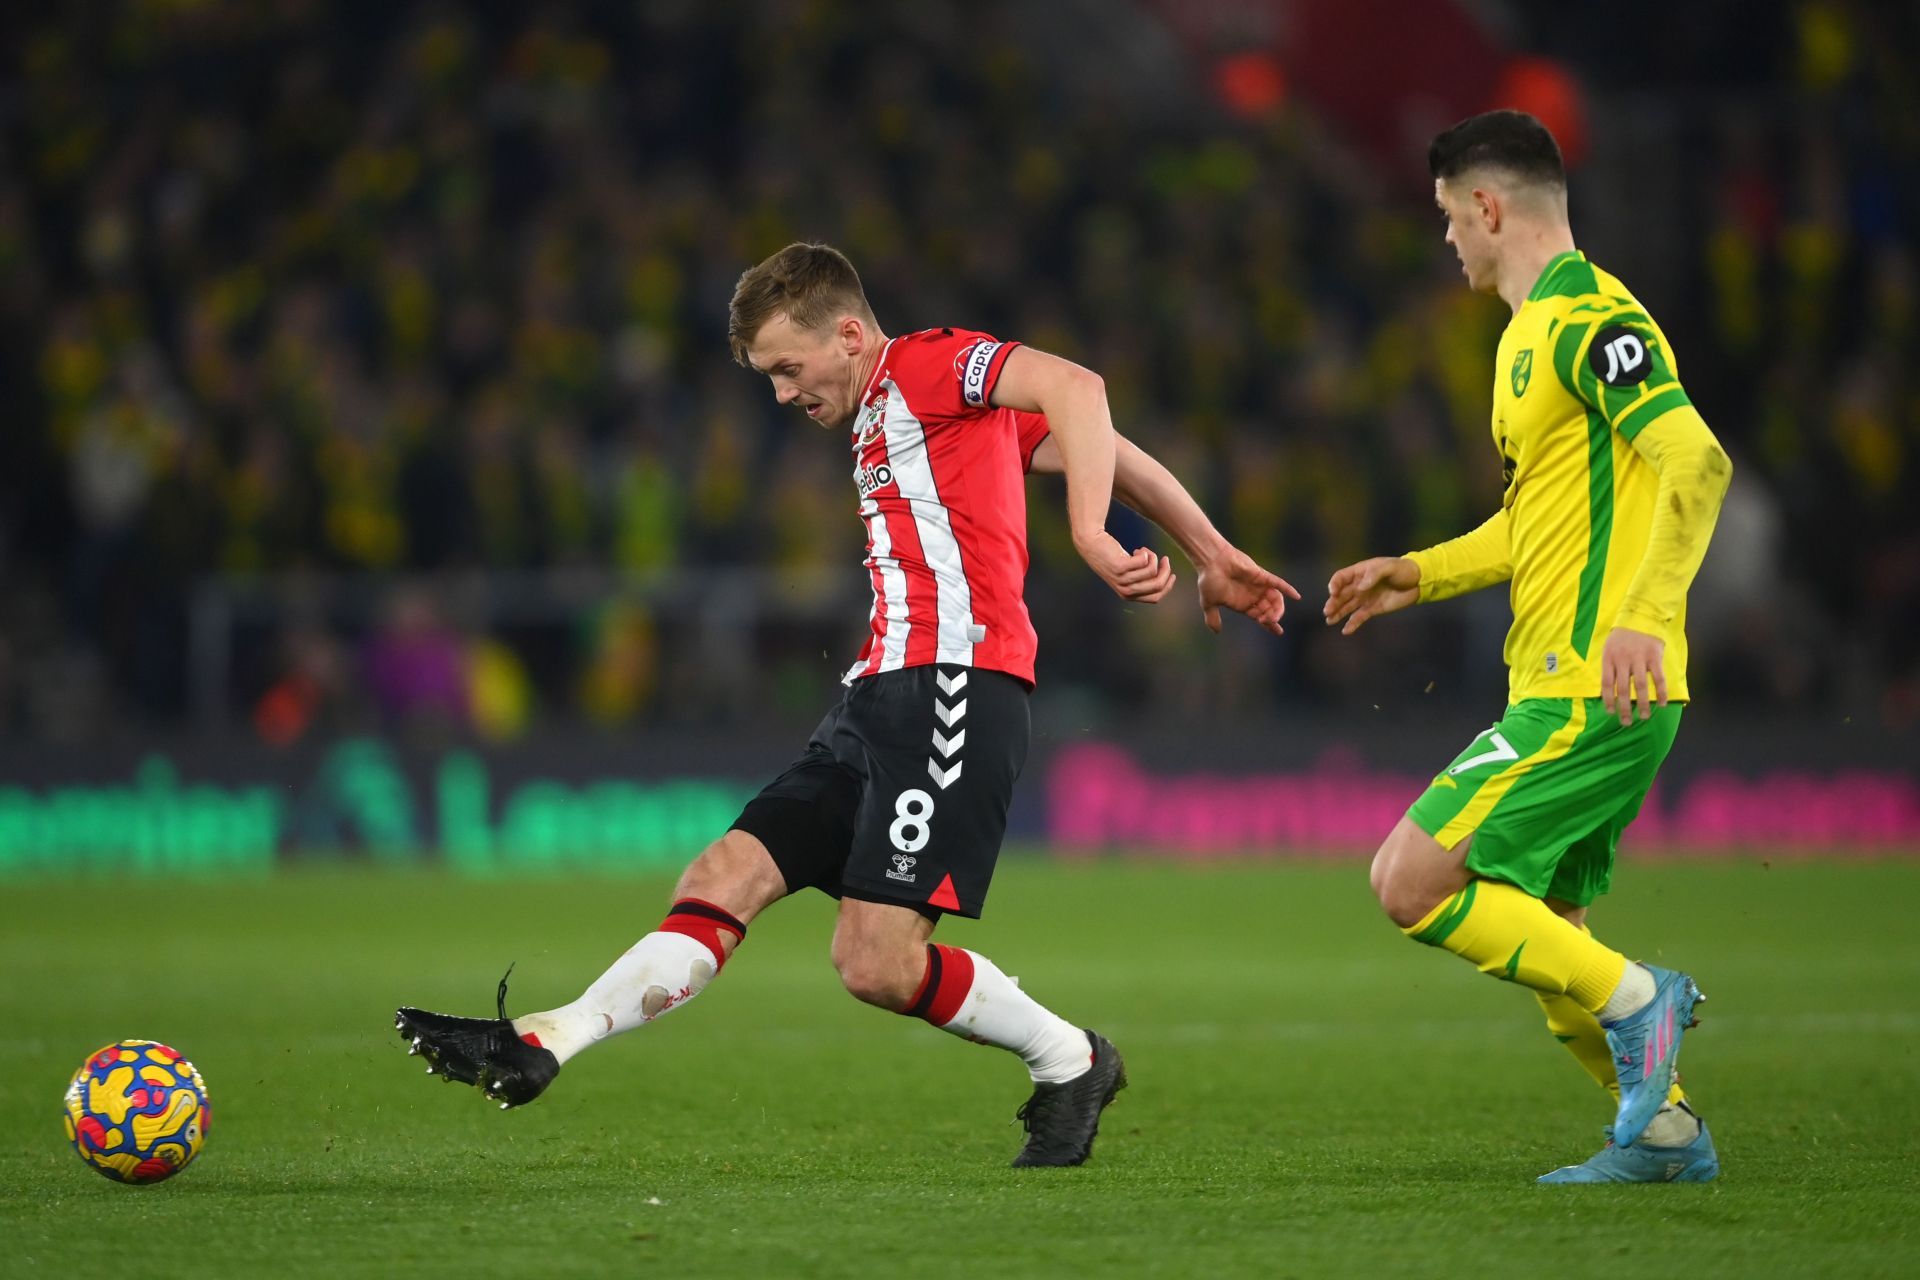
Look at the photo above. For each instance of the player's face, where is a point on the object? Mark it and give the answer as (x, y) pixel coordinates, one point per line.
(1468, 233)
(812, 370)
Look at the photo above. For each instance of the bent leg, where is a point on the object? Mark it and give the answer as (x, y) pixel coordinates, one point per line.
(1505, 932)
(885, 958)
(880, 952)
(724, 888)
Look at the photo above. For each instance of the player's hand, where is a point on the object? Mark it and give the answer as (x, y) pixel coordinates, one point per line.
(1142, 577)
(1368, 589)
(1633, 668)
(1233, 579)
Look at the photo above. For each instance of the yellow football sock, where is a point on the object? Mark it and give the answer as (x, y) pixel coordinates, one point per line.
(1510, 934)
(1585, 1039)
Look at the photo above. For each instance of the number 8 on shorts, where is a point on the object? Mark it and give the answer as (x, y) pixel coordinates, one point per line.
(913, 812)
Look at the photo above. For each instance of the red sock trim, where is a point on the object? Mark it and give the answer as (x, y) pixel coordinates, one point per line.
(944, 989)
(923, 994)
(704, 922)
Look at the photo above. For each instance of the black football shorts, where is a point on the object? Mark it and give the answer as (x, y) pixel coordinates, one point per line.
(901, 795)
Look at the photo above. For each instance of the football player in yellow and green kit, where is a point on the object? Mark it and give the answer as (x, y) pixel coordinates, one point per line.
(1613, 484)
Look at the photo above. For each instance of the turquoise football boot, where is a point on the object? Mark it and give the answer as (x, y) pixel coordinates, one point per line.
(1695, 1162)
(1646, 1050)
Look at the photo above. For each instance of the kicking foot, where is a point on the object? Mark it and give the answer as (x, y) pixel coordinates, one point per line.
(1646, 1049)
(1062, 1119)
(479, 1051)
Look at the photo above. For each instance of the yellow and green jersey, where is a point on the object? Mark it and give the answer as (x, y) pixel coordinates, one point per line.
(1582, 369)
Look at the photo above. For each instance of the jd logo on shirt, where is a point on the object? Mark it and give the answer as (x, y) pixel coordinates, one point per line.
(1619, 357)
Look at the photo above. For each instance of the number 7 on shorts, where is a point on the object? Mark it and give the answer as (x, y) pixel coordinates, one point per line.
(1502, 751)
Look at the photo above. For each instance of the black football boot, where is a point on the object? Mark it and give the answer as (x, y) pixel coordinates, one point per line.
(1062, 1119)
(480, 1051)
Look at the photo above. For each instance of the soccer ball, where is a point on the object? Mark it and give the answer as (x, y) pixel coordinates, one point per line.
(137, 1111)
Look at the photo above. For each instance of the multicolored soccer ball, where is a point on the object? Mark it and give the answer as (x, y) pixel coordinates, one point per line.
(137, 1111)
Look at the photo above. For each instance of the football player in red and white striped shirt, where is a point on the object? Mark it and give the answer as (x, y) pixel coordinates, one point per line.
(898, 805)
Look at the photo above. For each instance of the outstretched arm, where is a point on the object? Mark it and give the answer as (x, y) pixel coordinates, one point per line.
(1482, 558)
(1387, 584)
(1227, 576)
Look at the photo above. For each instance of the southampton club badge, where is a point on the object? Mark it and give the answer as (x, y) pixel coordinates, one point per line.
(1522, 372)
(875, 422)
(902, 867)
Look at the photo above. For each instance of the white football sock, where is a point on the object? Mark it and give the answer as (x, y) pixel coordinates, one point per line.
(1631, 996)
(662, 971)
(997, 1012)
(1671, 1126)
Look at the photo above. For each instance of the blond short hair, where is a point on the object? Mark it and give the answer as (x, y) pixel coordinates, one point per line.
(811, 284)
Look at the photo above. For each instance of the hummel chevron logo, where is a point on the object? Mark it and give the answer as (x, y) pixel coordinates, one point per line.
(948, 746)
(945, 779)
(950, 686)
(949, 714)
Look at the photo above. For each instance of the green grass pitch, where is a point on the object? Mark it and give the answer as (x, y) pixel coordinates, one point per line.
(1311, 1094)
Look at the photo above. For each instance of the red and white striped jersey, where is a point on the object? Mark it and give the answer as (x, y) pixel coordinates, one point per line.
(941, 475)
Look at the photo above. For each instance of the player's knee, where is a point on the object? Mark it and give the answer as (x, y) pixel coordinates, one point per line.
(879, 977)
(1413, 873)
(874, 984)
(1389, 887)
(1406, 907)
(1405, 896)
(1380, 874)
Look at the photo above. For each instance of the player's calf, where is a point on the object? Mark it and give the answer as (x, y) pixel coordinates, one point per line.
(737, 872)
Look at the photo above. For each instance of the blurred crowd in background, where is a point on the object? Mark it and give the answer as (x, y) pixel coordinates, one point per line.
(372, 303)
